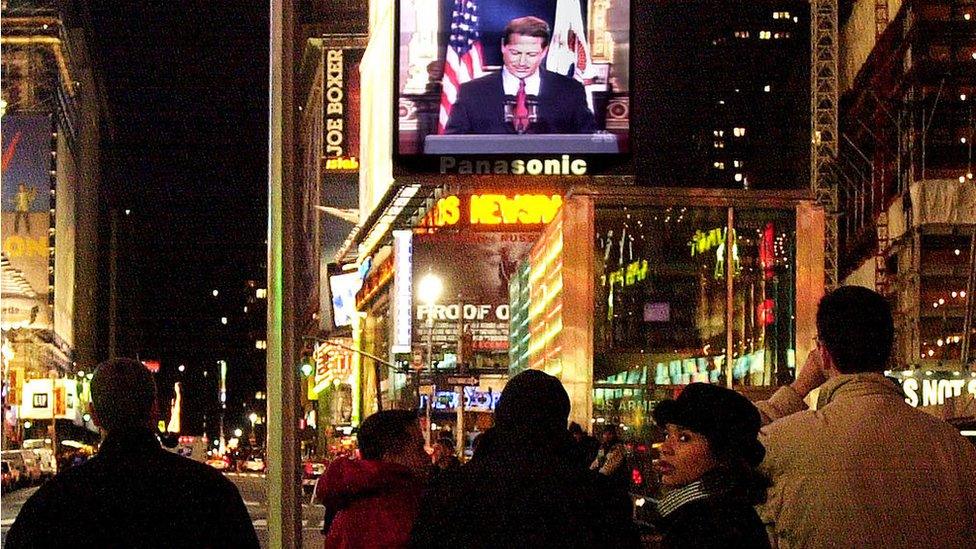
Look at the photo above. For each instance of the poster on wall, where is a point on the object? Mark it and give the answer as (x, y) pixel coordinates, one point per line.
(520, 87)
(26, 220)
(475, 269)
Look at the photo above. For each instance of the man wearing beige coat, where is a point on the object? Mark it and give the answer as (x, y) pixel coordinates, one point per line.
(865, 469)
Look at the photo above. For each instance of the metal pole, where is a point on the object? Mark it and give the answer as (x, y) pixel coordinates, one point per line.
(967, 322)
(283, 488)
(430, 370)
(729, 271)
(459, 404)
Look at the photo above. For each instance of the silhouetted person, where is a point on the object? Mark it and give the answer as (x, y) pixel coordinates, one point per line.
(444, 458)
(611, 458)
(586, 446)
(865, 468)
(132, 493)
(372, 502)
(524, 487)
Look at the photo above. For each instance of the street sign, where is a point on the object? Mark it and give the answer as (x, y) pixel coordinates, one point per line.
(461, 380)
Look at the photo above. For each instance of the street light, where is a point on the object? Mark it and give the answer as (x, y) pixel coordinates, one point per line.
(254, 419)
(429, 291)
(238, 433)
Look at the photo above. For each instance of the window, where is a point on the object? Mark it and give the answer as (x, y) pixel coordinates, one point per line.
(262, 293)
(261, 344)
(738, 132)
(719, 165)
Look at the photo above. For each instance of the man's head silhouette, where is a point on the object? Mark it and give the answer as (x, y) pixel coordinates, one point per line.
(123, 395)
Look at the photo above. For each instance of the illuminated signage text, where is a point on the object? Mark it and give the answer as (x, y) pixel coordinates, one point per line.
(564, 165)
(934, 391)
(494, 210)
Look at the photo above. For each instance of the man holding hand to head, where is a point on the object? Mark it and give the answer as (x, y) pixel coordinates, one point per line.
(865, 469)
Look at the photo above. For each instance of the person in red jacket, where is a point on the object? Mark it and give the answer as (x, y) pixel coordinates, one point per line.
(372, 502)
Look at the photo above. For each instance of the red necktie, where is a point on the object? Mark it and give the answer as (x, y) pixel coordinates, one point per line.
(521, 111)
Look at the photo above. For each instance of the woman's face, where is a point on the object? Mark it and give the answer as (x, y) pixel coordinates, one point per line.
(685, 457)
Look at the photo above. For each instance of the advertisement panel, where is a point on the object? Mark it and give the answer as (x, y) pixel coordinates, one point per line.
(40, 402)
(26, 218)
(520, 87)
(344, 288)
(475, 269)
(341, 106)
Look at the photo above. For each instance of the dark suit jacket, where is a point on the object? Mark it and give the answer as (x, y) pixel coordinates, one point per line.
(480, 107)
(134, 494)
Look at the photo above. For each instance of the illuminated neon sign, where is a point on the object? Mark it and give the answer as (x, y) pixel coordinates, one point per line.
(402, 290)
(341, 109)
(626, 276)
(702, 242)
(494, 210)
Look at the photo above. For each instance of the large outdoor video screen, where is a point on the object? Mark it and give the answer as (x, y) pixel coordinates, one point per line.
(501, 86)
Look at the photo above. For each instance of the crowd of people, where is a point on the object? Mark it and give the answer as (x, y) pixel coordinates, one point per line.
(861, 468)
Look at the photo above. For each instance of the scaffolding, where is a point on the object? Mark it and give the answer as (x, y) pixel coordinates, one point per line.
(908, 125)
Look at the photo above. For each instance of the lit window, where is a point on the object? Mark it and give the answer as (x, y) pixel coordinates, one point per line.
(719, 165)
(719, 144)
(260, 344)
(765, 35)
(223, 320)
(738, 132)
(766, 88)
(718, 133)
(741, 34)
(262, 293)
(738, 177)
(737, 163)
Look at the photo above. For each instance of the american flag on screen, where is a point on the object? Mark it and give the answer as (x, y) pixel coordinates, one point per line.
(464, 58)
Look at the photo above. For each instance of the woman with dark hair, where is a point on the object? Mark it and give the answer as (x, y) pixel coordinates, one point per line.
(709, 462)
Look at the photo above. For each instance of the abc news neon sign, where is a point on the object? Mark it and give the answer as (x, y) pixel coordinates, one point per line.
(493, 210)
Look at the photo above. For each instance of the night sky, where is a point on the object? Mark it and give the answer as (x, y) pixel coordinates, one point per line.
(186, 85)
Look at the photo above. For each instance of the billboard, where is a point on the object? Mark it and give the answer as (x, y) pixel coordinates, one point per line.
(344, 288)
(475, 269)
(26, 219)
(519, 87)
(40, 402)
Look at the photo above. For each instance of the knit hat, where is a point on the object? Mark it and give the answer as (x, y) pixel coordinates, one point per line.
(728, 420)
(533, 399)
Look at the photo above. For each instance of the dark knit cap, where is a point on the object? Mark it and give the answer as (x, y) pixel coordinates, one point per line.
(535, 400)
(728, 420)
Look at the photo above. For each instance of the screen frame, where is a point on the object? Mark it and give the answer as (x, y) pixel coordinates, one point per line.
(609, 164)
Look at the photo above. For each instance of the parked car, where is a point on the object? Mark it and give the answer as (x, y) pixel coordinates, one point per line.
(26, 464)
(46, 461)
(11, 476)
(220, 463)
(254, 464)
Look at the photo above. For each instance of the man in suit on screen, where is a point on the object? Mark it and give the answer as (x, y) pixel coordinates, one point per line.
(523, 97)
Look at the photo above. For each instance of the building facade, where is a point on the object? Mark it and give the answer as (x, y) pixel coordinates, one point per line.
(53, 119)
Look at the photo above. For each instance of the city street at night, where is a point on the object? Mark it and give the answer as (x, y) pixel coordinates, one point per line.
(498, 273)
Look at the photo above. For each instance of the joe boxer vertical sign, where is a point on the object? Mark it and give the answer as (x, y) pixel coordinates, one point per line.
(342, 108)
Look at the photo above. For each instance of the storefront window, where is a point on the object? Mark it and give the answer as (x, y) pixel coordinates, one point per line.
(663, 299)
(660, 293)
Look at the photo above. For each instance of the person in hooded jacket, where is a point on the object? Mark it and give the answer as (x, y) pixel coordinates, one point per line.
(525, 486)
(372, 502)
(709, 462)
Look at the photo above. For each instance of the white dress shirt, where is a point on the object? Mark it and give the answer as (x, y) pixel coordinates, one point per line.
(510, 83)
